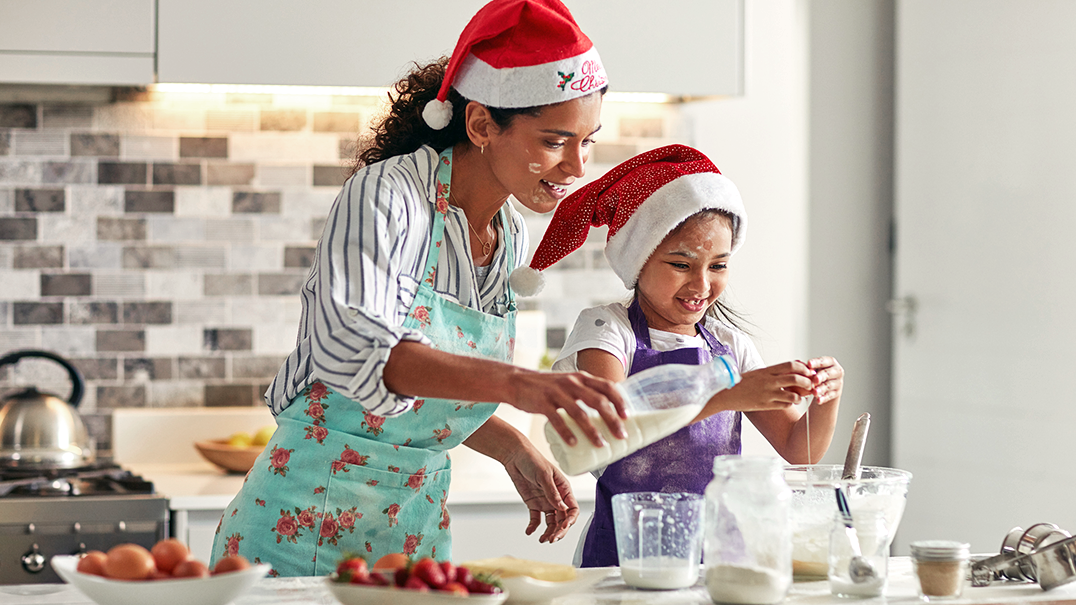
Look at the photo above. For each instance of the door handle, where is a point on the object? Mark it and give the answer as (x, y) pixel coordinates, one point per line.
(906, 308)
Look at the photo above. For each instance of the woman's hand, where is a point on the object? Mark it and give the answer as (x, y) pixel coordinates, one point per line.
(546, 392)
(546, 492)
(828, 379)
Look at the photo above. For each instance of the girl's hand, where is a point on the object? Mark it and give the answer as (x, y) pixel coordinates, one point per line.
(828, 379)
(776, 387)
(546, 392)
(546, 492)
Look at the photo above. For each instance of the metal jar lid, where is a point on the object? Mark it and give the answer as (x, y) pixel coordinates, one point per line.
(940, 550)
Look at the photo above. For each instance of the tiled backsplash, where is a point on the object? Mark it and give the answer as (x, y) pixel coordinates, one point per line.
(159, 241)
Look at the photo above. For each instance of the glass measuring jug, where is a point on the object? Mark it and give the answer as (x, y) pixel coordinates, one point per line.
(658, 538)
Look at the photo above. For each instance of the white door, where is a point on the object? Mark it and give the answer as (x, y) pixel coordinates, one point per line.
(984, 392)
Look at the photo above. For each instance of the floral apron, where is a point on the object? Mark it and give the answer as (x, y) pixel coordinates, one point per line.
(681, 462)
(337, 479)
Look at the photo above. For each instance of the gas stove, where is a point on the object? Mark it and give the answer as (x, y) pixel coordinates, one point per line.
(46, 512)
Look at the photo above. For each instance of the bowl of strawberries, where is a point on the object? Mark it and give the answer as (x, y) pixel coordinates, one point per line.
(419, 582)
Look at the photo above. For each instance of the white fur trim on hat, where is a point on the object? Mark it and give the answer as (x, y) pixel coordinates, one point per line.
(526, 281)
(530, 86)
(631, 246)
(437, 114)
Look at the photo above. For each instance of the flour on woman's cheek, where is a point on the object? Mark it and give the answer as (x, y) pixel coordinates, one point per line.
(534, 167)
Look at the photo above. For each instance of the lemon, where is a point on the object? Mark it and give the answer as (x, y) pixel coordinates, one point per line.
(240, 439)
(264, 434)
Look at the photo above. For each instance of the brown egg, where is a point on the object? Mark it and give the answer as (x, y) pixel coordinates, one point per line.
(169, 553)
(191, 568)
(233, 563)
(129, 562)
(93, 562)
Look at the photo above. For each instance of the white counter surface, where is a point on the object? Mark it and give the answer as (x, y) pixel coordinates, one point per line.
(901, 590)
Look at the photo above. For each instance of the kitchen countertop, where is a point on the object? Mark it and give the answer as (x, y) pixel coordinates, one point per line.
(901, 590)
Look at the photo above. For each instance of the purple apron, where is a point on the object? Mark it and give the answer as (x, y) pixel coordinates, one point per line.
(681, 462)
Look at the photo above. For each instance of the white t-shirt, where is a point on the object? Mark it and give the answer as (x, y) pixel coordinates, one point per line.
(608, 328)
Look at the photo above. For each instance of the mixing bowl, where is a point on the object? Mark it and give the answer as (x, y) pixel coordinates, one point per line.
(814, 504)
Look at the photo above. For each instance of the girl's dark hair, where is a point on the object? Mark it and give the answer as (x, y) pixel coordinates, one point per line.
(403, 130)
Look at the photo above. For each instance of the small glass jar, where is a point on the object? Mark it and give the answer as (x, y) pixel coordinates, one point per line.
(860, 575)
(748, 535)
(941, 567)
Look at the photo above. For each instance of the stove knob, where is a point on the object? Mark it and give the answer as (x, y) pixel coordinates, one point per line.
(33, 561)
(31, 528)
(121, 526)
(76, 527)
(81, 549)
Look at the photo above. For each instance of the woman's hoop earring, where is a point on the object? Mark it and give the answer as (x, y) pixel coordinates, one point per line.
(482, 150)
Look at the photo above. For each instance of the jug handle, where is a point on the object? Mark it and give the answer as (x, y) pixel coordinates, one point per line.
(77, 383)
(650, 533)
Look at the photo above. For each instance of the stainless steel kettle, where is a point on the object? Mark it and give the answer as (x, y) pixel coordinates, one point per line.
(40, 430)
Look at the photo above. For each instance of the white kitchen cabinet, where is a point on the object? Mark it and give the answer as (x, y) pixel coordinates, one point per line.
(77, 41)
(682, 47)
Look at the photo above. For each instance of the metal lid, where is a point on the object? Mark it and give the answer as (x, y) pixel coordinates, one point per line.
(940, 550)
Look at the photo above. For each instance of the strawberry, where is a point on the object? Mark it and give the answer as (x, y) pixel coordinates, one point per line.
(463, 576)
(427, 570)
(401, 576)
(455, 588)
(449, 570)
(354, 570)
(413, 583)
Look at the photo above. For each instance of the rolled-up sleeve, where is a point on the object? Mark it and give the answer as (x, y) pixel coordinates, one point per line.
(354, 317)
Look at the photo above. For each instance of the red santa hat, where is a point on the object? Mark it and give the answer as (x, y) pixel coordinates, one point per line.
(519, 53)
(641, 201)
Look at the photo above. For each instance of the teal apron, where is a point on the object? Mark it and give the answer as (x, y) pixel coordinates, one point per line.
(337, 479)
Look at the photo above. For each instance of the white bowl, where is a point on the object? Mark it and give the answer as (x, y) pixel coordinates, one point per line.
(525, 589)
(214, 590)
(364, 594)
(814, 504)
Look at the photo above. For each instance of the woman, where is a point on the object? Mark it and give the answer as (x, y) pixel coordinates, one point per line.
(408, 316)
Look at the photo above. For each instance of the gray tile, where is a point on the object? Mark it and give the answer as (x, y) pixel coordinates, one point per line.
(255, 202)
(228, 285)
(147, 312)
(148, 257)
(611, 153)
(245, 98)
(7, 201)
(177, 174)
(141, 369)
(201, 367)
(255, 367)
(283, 119)
(66, 284)
(149, 201)
(18, 228)
(200, 257)
(203, 147)
(227, 395)
(554, 337)
(18, 115)
(229, 174)
(276, 284)
(337, 121)
(649, 128)
(40, 143)
(95, 200)
(95, 256)
(97, 368)
(126, 285)
(39, 200)
(121, 229)
(92, 312)
(126, 396)
(349, 148)
(121, 340)
(227, 339)
(95, 144)
(121, 173)
(67, 116)
(317, 227)
(330, 176)
(69, 173)
(20, 172)
(299, 257)
(99, 428)
(5, 142)
(36, 313)
(38, 257)
(231, 121)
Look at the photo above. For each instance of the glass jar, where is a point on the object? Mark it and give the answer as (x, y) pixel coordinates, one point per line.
(748, 536)
(941, 567)
(860, 569)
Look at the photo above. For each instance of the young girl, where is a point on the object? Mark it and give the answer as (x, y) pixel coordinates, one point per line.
(674, 224)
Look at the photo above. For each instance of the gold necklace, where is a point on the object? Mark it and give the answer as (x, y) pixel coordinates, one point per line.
(486, 246)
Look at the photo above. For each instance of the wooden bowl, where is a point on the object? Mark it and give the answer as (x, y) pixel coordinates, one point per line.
(229, 457)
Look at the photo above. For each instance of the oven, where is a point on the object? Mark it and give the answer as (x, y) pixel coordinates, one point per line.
(46, 512)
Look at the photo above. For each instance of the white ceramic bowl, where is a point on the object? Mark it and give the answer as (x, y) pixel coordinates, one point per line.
(363, 594)
(524, 589)
(814, 504)
(214, 590)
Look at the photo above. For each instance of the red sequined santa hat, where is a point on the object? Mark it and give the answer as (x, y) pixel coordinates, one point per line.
(641, 201)
(519, 53)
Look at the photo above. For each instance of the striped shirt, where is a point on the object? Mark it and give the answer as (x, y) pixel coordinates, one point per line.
(367, 269)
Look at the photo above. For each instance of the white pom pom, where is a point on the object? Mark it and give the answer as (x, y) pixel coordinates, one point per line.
(526, 281)
(437, 114)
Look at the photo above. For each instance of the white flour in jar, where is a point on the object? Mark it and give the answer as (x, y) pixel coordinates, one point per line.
(746, 585)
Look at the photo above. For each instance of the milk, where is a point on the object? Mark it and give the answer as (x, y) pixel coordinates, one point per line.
(659, 573)
(643, 428)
